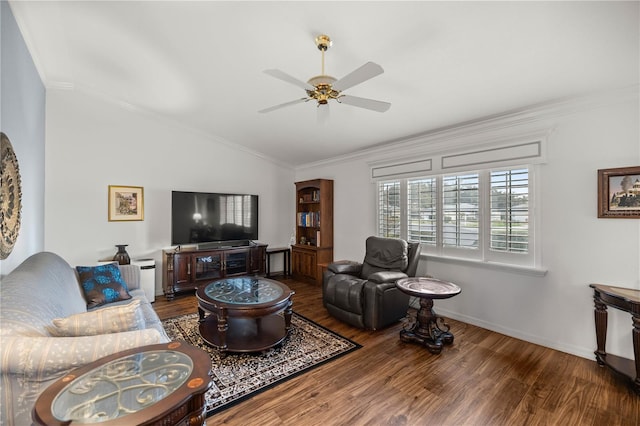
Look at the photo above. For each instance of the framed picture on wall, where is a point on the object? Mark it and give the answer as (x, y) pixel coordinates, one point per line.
(126, 203)
(619, 193)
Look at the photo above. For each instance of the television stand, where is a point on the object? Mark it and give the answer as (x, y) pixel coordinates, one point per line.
(189, 267)
(224, 244)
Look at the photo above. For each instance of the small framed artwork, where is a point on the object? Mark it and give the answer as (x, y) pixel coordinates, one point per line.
(126, 203)
(619, 193)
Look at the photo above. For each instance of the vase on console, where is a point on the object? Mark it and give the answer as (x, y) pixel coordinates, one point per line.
(122, 257)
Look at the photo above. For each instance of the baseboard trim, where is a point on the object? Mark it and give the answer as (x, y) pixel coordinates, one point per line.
(570, 349)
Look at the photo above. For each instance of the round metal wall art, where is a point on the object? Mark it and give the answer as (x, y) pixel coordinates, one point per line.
(10, 197)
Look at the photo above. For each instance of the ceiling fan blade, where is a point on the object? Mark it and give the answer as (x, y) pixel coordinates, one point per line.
(364, 73)
(289, 79)
(364, 103)
(286, 104)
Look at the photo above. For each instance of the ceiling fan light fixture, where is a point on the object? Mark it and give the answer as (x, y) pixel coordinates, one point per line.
(321, 79)
(323, 91)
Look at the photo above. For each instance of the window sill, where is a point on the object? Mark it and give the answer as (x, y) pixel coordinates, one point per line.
(518, 269)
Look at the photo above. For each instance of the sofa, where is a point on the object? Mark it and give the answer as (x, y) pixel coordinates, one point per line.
(47, 329)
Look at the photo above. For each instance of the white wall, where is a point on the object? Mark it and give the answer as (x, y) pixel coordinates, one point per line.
(92, 143)
(554, 310)
(22, 107)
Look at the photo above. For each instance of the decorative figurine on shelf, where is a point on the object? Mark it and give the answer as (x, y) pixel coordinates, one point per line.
(122, 257)
(303, 240)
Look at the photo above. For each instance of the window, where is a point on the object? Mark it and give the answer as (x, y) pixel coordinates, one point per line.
(482, 215)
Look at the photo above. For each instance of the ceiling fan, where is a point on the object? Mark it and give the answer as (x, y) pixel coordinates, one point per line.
(323, 88)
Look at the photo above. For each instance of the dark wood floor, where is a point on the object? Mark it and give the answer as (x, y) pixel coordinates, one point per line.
(483, 378)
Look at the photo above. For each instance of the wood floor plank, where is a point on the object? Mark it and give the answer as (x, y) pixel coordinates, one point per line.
(483, 378)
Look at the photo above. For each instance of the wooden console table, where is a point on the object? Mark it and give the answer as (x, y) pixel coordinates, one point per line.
(627, 300)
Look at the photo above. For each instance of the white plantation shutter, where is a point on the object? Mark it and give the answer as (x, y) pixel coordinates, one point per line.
(389, 206)
(510, 211)
(422, 210)
(460, 211)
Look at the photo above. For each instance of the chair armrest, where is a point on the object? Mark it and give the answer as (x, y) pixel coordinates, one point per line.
(386, 276)
(373, 289)
(46, 358)
(345, 267)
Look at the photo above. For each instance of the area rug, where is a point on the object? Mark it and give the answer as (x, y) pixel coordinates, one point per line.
(237, 377)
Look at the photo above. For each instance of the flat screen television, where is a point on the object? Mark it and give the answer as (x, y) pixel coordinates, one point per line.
(200, 218)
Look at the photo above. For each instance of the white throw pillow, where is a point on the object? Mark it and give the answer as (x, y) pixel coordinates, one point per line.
(113, 319)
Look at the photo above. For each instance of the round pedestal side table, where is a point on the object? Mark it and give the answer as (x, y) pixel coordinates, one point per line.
(429, 329)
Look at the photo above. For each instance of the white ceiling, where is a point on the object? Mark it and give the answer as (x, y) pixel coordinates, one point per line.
(201, 62)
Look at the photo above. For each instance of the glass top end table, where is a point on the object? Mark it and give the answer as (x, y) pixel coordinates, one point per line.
(138, 386)
(123, 386)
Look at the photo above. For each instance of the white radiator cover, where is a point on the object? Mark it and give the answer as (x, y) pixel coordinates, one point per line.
(147, 277)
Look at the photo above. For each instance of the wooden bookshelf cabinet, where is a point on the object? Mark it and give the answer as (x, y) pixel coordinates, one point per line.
(185, 269)
(314, 229)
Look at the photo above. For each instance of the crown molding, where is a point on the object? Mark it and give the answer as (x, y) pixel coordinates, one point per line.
(536, 120)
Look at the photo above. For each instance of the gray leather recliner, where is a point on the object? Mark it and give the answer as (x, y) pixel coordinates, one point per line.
(364, 294)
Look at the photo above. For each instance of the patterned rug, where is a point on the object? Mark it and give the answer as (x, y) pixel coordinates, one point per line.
(237, 377)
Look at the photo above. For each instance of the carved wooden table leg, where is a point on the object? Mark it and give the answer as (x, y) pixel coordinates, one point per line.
(287, 317)
(223, 326)
(600, 314)
(636, 349)
(200, 314)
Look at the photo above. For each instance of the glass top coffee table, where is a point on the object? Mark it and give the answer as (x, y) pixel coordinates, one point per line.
(242, 314)
(156, 384)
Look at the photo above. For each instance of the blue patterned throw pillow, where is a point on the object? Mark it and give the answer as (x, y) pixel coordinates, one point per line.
(102, 284)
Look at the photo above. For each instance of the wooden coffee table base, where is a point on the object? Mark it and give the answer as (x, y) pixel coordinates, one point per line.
(244, 334)
(429, 329)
